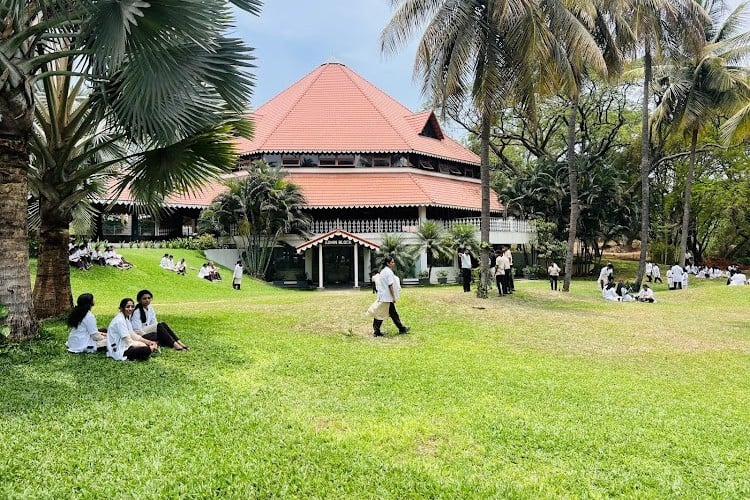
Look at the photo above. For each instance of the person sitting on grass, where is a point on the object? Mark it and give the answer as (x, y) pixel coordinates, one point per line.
(144, 322)
(164, 263)
(115, 259)
(205, 273)
(97, 257)
(84, 336)
(646, 294)
(215, 276)
(181, 267)
(123, 344)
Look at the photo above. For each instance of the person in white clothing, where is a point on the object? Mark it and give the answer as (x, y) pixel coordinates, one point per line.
(604, 274)
(237, 275)
(554, 273)
(145, 323)
(388, 289)
(123, 343)
(737, 279)
(646, 294)
(609, 292)
(465, 261)
(677, 273)
(164, 264)
(84, 336)
(649, 270)
(656, 273)
(685, 278)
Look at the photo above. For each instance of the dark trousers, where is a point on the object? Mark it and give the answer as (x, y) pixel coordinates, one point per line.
(163, 335)
(509, 279)
(393, 313)
(553, 282)
(466, 274)
(658, 279)
(138, 353)
(499, 281)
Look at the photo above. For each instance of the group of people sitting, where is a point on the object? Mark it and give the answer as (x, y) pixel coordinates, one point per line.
(132, 335)
(83, 257)
(621, 293)
(167, 262)
(209, 271)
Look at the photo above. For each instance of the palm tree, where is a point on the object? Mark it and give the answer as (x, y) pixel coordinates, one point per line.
(263, 207)
(706, 82)
(433, 242)
(653, 28)
(494, 52)
(157, 75)
(404, 255)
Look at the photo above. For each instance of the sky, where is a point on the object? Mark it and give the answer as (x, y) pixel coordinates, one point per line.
(293, 37)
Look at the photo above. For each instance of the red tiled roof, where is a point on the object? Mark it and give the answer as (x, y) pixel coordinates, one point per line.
(353, 188)
(395, 187)
(332, 234)
(334, 110)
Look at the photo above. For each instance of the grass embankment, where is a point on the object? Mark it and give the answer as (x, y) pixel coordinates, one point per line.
(285, 393)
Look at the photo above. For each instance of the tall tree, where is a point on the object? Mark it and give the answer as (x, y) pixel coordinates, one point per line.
(493, 52)
(708, 81)
(262, 207)
(161, 73)
(653, 28)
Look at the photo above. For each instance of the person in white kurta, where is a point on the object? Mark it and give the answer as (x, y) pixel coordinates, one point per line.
(123, 343)
(145, 323)
(649, 270)
(388, 290)
(656, 273)
(646, 294)
(677, 273)
(237, 275)
(84, 336)
(737, 279)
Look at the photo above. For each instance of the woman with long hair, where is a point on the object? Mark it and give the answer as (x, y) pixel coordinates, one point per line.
(84, 336)
(123, 343)
(144, 319)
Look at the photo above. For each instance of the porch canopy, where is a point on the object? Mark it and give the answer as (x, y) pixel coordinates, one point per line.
(320, 240)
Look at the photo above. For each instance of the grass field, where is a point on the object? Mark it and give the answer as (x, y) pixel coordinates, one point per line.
(285, 394)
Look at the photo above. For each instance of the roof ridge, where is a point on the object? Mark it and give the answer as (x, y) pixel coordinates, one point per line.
(377, 108)
(416, 180)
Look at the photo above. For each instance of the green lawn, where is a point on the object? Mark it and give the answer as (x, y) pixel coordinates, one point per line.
(285, 394)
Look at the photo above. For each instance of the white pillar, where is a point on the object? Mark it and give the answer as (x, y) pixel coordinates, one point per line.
(320, 266)
(356, 265)
(423, 254)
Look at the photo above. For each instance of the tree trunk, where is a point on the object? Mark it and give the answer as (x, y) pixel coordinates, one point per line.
(52, 291)
(573, 181)
(688, 198)
(484, 225)
(15, 281)
(645, 164)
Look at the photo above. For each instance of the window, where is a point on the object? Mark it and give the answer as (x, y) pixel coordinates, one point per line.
(290, 161)
(345, 160)
(381, 161)
(327, 161)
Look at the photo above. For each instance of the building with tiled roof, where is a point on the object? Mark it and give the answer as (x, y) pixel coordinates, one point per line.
(366, 165)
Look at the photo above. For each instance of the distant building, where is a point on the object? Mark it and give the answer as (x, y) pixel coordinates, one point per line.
(366, 165)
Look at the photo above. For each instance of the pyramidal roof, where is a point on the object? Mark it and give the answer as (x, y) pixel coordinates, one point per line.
(334, 110)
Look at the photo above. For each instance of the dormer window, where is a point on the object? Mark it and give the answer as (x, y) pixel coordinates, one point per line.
(290, 161)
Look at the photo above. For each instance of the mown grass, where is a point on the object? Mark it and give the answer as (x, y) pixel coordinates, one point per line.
(285, 394)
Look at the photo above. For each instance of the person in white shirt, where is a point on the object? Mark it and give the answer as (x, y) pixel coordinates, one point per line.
(388, 289)
(164, 264)
(737, 279)
(677, 273)
(609, 292)
(646, 294)
(554, 273)
(84, 336)
(181, 267)
(649, 270)
(237, 275)
(656, 273)
(685, 276)
(74, 258)
(145, 323)
(509, 272)
(604, 274)
(465, 261)
(502, 272)
(123, 343)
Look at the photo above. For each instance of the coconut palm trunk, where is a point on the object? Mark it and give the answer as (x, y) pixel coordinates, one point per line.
(688, 197)
(484, 224)
(575, 208)
(645, 163)
(15, 281)
(52, 291)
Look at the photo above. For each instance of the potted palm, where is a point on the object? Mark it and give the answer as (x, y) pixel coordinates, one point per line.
(424, 277)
